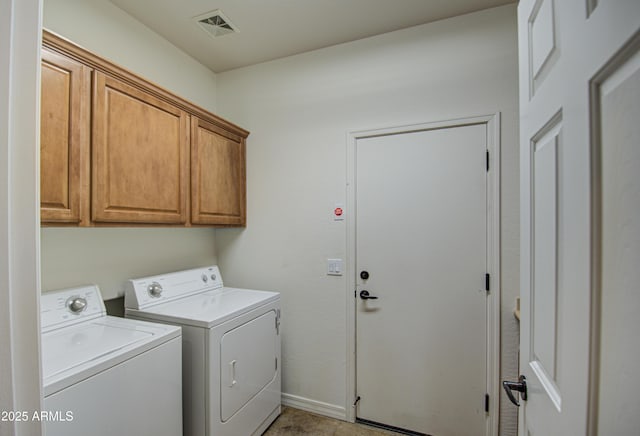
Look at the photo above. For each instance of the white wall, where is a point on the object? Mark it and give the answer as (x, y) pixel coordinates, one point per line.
(110, 256)
(20, 378)
(299, 111)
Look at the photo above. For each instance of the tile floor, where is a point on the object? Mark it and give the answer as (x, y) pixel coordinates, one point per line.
(298, 422)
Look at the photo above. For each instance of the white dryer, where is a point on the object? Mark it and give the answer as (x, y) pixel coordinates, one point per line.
(231, 348)
(104, 375)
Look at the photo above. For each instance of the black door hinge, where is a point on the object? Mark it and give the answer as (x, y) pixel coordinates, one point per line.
(487, 282)
(487, 160)
(357, 400)
(486, 403)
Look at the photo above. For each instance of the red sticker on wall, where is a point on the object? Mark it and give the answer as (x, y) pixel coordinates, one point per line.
(338, 211)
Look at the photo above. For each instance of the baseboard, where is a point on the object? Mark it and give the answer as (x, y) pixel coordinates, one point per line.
(313, 406)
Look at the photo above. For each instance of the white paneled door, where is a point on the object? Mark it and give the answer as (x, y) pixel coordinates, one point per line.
(580, 217)
(421, 263)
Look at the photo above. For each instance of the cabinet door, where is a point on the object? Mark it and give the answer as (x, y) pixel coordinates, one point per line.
(140, 157)
(218, 178)
(64, 140)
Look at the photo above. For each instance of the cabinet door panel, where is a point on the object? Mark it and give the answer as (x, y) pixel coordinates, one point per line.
(140, 156)
(218, 192)
(64, 126)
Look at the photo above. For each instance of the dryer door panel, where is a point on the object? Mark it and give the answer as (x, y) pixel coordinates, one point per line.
(247, 362)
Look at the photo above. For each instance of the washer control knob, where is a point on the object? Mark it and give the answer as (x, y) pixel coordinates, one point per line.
(205, 278)
(213, 277)
(76, 304)
(155, 289)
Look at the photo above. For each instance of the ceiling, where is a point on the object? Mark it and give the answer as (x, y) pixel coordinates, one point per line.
(272, 29)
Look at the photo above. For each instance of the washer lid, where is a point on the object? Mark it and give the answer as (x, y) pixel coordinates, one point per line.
(79, 351)
(67, 348)
(208, 309)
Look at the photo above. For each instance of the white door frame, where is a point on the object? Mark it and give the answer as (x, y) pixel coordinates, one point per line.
(492, 123)
(20, 379)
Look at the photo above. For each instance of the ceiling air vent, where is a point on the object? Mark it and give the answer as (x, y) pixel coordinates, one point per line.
(215, 23)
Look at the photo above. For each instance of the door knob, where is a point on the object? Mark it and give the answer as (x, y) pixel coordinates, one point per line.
(520, 386)
(366, 296)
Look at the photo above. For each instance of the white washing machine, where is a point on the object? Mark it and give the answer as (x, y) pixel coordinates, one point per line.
(231, 348)
(104, 375)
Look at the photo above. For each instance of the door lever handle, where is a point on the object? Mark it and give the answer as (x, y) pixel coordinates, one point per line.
(520, 386)
(366, 296)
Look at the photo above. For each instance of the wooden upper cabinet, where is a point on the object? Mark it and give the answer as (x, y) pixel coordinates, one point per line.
(64, 139)
(140, 156)
(119, 150)
(218, 175)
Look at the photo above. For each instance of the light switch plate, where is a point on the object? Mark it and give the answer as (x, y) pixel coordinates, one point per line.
(335, 267)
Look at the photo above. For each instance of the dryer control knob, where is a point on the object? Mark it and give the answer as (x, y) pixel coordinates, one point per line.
(155, 289)
(76, 304)
(204, 278)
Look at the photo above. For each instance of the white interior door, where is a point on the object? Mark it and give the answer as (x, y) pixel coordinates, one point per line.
(580, 230)
(421, 236)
